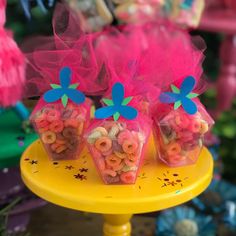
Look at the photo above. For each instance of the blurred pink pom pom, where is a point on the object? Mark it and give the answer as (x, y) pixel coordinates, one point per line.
(12, 65)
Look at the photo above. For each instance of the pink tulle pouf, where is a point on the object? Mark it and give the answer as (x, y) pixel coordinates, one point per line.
(12, 65)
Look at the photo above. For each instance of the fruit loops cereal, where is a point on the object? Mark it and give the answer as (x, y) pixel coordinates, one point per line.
(61, 129)
(179, 137)
(117, 149)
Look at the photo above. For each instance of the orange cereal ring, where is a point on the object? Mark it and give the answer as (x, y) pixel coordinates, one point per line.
(42, 130)
(128, 177)
(173, 149)
(109, 172)
(71, 123)
(56, 126)
(61, 148)
(53, 115)
(113, 161)
(55, 145)
(48, 137)
(80, 128)
(103, 144)
(130, 146)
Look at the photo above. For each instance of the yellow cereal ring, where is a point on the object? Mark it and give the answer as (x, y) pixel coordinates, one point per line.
(48, 137)
(101, 130)
(204, 127)
(103, 144)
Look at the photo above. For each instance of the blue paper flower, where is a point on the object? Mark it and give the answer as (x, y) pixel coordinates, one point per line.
(117, 106)
(184, 221)
(186, 4)
(182, 96)
(64, 90)
(26, 6)
(215, 198)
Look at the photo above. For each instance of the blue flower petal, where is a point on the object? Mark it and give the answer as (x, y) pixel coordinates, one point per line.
(75, 95)
(128, 112)
(189, 106)
(118, 93)
(105, 112)
(65, 77)
(187, 86)
(53, 95)
(168, 97)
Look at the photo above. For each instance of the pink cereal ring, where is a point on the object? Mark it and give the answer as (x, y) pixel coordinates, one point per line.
(74, 114)
(173, 149)
(54, 146)
(41, 122)
(113, 161)
(109, 172)
(195, 126)
(95, 153)
(130, 146)
(100, 164)
(130, 162)
(124, 135)
(176, 159)
(182, 121)
(107, 153)
(128, 177)
(71, 123)
(53, 115)
(56, 126)
(103, 144)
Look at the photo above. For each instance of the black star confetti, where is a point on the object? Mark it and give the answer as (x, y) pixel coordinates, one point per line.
(80, 177)
(83, 170)
(34, 162)
(69, 167)
(20, 138)
(171, 180)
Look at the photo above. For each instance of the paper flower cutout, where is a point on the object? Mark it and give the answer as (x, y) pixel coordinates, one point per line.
(187, 4)
(117, 106)
(182, 96)
(183, 220)
(65, 90)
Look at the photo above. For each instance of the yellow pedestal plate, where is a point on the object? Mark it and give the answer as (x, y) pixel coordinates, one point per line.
(77, 185)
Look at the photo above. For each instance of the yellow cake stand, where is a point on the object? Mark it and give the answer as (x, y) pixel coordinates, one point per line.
(77, 185)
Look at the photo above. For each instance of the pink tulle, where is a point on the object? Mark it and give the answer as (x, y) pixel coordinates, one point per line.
(12, 65)
(147, 58)
(69, 46)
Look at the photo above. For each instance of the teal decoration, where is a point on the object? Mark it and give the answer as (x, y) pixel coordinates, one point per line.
(118, 106)
(182, 96)
(65, 90)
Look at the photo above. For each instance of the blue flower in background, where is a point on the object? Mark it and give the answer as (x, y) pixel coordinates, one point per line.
(117, 106)
(187, 4)
(26, 6)
(216, 197)
(182, 96)
(64, 90)
(184, 221)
